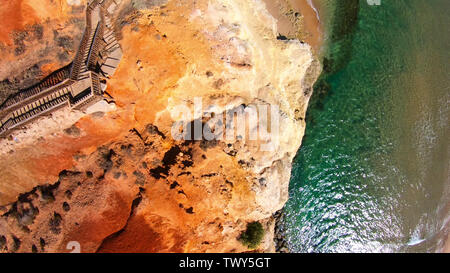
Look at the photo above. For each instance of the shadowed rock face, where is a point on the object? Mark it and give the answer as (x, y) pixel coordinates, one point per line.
(113, 201)
(119, 182)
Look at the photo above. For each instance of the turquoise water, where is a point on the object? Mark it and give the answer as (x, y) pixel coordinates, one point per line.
(372, 174)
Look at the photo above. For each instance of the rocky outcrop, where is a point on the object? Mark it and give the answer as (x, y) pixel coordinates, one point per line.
(117, 180)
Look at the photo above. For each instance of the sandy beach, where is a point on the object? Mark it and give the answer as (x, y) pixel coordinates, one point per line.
(286, 12)
(447, 245)
(311, 21)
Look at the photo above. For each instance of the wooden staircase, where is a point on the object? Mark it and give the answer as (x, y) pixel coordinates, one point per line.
(98, 48)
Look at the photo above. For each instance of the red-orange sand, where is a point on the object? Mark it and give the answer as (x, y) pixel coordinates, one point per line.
(13, 18)
(312, 24)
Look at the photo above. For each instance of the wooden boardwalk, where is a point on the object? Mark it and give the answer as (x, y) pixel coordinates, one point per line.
(76, 86)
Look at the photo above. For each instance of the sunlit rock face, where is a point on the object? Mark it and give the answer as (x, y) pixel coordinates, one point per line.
(116, 180)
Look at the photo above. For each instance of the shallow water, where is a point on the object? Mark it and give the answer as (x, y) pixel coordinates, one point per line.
(373, 170)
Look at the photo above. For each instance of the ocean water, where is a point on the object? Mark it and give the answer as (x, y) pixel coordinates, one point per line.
(373, 174)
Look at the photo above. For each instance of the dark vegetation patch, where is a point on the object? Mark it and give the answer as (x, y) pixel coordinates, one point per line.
(55, 223)
(147, 4)
(140, 178)
(117, 175)
(63, 56)
(104, 160)
(31, 33)
(38, 31)
(218, 84)
(68, 194)
(253, 235)
(152, 129)
(19, 38)
(66, 206)
(42, 243)
(78, 9)
(73, 131)
(65, 41)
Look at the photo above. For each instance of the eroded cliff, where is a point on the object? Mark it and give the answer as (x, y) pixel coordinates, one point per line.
(115, 179)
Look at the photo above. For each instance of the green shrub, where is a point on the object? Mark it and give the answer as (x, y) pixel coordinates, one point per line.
(253, 235)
